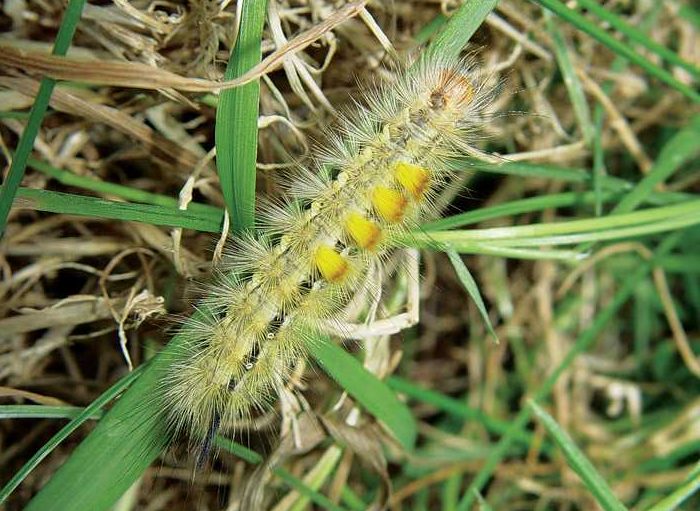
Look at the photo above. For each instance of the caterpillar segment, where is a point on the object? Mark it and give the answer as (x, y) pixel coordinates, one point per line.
(376, 178)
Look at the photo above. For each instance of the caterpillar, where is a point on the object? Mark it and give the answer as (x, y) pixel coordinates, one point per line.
(373, 180)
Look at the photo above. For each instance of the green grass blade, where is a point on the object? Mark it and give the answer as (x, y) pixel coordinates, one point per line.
(688, 13)
(680, 494)
(236, 131)
(521, 169)
(458, 30)
(681, 148)
(670, 224)
(483, 505)
(317, 498)
(511, 234)
(618, 66)
(516, 207)
(211, 220)
(430, 29)
(514, 241)
(490, 249)
(366, 388)
(567, 175)
(582, 344)
(681, 263)
(618, 47)
(578, 462)
(598, 158)
(239, 450)
(84, 415)
(14, 115)
(43, 412)
(66, 203)
(351, 500)
(36, 115)
(637, 36)
(457, 409)
(449, 495)
(125, 192)
(469, 284)
(571, 80)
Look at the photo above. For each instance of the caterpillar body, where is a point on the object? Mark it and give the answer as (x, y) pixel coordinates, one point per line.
(376, 177)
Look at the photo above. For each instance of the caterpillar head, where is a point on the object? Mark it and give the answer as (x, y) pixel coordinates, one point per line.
(453, 91)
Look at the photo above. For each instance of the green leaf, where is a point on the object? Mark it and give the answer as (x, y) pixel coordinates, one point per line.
(459, 29)
(125, 192)
(236, 130)
(568, 175)
(470, 285)
(680, 494)
(515, 241)
(680, 149)
(314, 496)
(43, 412)
(571, 81)
(515, 207)
(206, 220)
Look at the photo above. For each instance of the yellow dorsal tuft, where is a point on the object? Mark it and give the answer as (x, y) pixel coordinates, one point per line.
(390, 204)
(332, 266)
(412, 178)
(364, 232)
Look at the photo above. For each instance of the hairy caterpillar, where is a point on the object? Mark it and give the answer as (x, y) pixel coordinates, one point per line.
(375, 179)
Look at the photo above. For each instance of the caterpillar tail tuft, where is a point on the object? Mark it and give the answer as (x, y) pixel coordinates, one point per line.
(375, 179)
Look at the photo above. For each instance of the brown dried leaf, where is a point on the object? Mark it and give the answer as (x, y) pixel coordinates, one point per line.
(32, 396)
(87, 311)
(311, 434)
(367, 445)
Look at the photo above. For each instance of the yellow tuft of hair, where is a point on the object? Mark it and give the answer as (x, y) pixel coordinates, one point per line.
(332, 266)
(412, 178)
(390, 204)
(365, 233)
